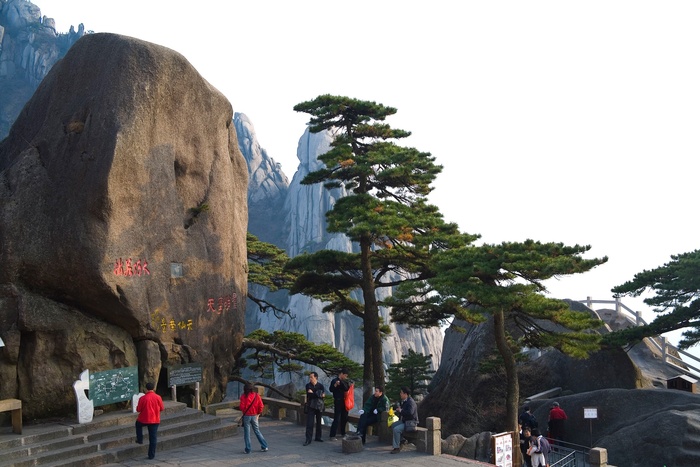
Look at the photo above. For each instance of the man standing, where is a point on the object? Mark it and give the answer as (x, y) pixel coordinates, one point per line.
(372, 411)
(339, 387)
(315, 406)
(557, 417)
(149, 407)
(408, 413)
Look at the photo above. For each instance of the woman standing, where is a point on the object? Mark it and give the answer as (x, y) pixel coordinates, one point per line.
(251, 406)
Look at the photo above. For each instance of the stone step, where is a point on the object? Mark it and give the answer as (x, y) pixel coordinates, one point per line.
(131, 451)
(111, 438)
(34, 435)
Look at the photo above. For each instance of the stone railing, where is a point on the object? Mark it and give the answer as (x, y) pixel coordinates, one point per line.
(667, 351)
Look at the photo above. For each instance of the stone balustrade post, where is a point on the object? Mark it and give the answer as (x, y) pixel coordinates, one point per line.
(433, 444)
(598, 457)
(664, 348)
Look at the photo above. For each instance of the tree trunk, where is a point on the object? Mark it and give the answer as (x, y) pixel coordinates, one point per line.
(373, 338)
(512, 387)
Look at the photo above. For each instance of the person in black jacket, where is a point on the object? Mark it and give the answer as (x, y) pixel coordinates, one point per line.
(526, 419)
(315, 407)
(339, 387)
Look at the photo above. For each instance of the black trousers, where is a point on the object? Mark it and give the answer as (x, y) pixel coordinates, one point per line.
(313, 413)
(365, 420)
(340, 418)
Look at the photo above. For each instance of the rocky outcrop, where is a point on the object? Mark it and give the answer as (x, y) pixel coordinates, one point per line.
(122, 225)
(304, 215)
(29, 47)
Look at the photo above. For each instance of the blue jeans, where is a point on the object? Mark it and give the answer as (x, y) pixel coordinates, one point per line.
(397, 428)
(248, 422)
(152, 436)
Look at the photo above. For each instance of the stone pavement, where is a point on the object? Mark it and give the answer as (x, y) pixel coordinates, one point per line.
(286, 448)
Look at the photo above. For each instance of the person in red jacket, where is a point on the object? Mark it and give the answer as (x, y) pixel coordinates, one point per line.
(251, 406)
(557, 417)
(149, 407)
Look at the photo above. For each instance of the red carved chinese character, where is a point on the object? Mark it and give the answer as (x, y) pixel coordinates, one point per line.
(227, 303)
(221, 305)
(119, 267)
(138, 268)
(127, 269)
(234, 299)
(145, 268)
(210, 305)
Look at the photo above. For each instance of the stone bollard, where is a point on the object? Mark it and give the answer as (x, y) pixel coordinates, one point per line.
(598, 457)
(352, 443)
(433, 443)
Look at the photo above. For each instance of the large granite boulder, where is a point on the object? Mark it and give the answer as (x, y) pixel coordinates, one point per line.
(122, 225)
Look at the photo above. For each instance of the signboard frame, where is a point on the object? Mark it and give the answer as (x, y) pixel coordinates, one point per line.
(182, 375)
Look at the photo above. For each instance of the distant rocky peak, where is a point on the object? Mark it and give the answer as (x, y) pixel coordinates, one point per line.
(267, 186)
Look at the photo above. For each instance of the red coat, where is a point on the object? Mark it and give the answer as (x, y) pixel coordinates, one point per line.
(252, 400)
(557, 414)
(149, 408)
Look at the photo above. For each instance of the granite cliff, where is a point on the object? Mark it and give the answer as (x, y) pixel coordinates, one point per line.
(300, 226)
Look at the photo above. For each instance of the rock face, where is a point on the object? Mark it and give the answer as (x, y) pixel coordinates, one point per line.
(267, 187)
(29, 47)
(122, 225)
(304, 215)
(638, 427)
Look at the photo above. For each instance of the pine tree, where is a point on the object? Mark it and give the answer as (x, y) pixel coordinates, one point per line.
(266, 264)
(676, 287)
(413, 371)
(386, 215)
(505, 281)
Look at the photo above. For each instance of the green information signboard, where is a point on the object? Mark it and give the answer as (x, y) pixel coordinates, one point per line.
(182, 375)
(108, 387)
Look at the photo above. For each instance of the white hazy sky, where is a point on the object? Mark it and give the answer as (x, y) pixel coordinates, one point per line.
(574, 122)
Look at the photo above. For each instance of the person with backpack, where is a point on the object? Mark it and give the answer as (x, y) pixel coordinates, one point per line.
(526, 419)
(539, 449)
(339, 387)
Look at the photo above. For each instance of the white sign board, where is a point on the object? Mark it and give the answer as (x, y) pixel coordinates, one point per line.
(590, 412)
(502, 445)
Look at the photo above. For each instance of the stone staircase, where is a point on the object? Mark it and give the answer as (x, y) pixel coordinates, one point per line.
(109, 438)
